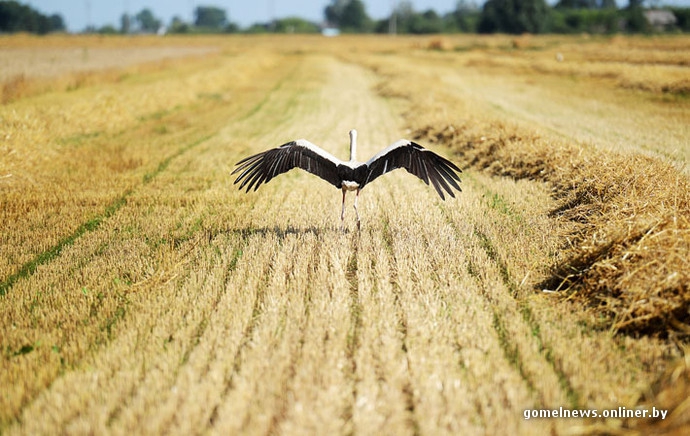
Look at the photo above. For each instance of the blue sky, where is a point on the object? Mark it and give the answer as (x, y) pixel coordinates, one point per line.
(78, 13)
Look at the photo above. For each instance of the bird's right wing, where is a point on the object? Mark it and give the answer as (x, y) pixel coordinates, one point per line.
(261, 168)
(417, 160)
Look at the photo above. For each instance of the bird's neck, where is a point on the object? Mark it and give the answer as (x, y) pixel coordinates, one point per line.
(353, 148)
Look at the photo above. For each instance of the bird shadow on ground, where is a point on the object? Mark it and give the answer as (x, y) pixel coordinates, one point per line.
(280, 232)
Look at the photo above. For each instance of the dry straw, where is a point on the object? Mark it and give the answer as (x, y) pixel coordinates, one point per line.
(623, 218)
(630, 245)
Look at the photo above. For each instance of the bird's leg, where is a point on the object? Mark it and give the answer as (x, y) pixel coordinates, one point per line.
(356, 211)
(342, 213)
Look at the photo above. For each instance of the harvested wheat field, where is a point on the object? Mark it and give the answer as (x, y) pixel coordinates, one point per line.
(141, 292)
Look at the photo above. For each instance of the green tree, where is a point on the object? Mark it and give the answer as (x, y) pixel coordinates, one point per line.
(334, 11)
(349, 15)
(147, 21)
(584, 20)
(424, 23)
(427, 22)
(586, 4)
(576, 4)
(354, 16)
(683, 17)
(177, 25)
(210, 17)
(465, 16)
(635, 19)
(57, 24)
(514, 16)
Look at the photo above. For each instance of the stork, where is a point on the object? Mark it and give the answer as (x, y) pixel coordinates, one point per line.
(349, 175)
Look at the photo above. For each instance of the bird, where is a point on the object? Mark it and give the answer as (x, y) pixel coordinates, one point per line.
(349, 175)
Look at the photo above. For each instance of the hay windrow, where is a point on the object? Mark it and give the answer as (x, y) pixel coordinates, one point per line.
(626, 242)
(629, 248)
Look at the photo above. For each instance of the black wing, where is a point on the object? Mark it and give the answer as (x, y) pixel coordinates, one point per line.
(419, 161)
(262, 167)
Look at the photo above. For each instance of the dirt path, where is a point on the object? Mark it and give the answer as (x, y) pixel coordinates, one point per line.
(29, 63)
(253, 314)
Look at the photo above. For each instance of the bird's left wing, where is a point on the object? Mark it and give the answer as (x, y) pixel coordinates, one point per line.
(417, 160)
(261, 168)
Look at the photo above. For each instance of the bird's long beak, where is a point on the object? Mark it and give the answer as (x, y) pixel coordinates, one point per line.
(353, 145)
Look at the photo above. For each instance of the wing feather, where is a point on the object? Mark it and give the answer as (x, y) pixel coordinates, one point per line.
(450, 176)
(425, 164)
(424, 172)
(263, 167)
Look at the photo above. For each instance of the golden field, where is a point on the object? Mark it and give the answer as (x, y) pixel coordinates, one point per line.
(141, 292)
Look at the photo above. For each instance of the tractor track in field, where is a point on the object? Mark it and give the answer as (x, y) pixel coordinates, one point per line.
(247, 332)
(402, 324)
(512, 297)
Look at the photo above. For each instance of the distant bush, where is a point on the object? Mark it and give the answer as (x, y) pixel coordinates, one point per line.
(295, 25)
(585, 21)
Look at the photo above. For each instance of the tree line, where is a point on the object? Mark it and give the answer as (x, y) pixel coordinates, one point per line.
(16, 17)
(350, 16)
(506, 16)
